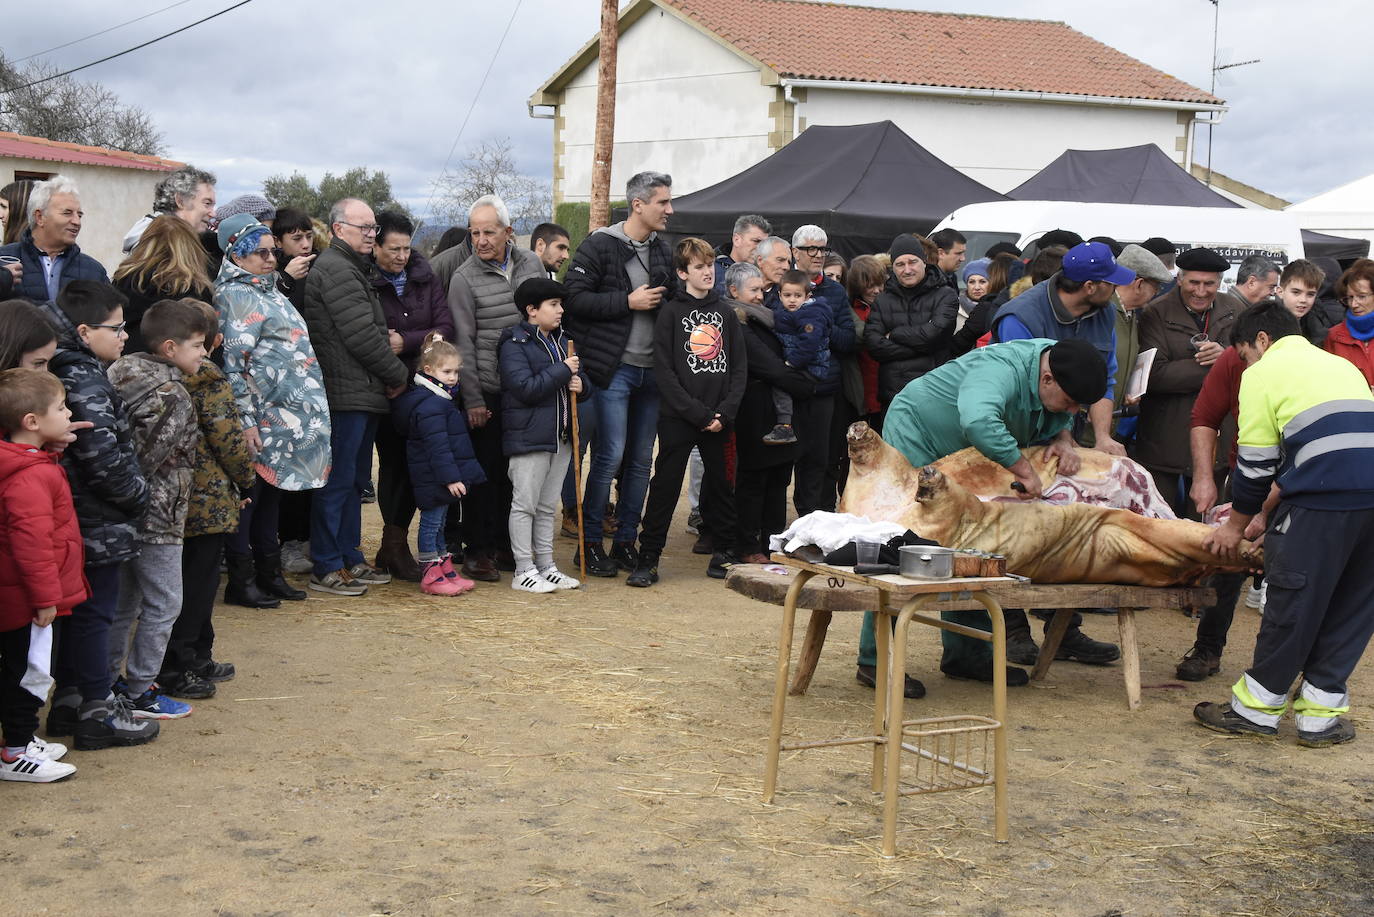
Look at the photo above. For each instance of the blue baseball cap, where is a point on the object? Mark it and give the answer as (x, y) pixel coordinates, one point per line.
(1094, 261)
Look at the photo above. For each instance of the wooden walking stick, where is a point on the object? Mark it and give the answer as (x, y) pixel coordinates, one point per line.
(577, 478)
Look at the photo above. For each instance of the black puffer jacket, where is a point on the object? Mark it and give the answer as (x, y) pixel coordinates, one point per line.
(108, 488)
(768, 369)
(909, 330)
(597, 311)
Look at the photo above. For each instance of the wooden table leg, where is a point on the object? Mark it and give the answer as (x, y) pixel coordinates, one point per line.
(810, 651)
(882, 632)
(1053, 637)
(789, 617)
(999, 713)
(896, 684)
(1130, 656)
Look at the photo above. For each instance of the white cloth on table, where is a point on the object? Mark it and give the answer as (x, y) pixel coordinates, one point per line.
(832, 531)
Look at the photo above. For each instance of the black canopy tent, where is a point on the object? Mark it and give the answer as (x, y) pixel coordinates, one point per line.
(862, 183)
(1344, 250)
(1129, 175)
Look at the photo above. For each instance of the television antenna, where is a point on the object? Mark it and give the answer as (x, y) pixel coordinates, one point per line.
(1217, 68)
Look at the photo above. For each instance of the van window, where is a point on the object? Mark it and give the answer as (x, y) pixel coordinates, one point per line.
(979, 242)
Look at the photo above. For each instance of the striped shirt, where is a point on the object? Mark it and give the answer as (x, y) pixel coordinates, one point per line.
(1307, 419)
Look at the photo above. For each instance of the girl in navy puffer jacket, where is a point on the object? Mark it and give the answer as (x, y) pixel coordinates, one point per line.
(440, 456)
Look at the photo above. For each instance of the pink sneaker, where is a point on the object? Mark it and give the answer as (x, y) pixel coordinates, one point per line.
(433, 581)
(463, 584)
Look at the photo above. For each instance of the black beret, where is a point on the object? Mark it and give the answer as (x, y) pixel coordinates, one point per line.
(1080, 371)
(1158, 245)
(1065, 237)
(536, 290)
(1111, 243)
(1202, 259)
(1000, 247)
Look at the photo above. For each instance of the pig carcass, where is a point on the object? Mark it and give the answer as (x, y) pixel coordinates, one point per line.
(1050, 543)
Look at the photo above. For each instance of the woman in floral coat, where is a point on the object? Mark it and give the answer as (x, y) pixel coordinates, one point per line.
(280, 393)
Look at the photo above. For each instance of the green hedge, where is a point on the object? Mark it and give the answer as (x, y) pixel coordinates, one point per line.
(574, 217)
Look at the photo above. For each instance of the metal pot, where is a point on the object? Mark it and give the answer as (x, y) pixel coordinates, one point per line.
(926, 561)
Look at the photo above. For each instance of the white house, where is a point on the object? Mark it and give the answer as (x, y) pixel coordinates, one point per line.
(116, 187)
(707, 88)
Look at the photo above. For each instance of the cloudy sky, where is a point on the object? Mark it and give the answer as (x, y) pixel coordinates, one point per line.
(326, 85)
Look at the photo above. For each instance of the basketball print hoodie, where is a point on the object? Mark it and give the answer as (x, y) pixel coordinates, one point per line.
(699, 359)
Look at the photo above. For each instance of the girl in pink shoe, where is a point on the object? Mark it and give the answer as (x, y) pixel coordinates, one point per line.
(439, 452)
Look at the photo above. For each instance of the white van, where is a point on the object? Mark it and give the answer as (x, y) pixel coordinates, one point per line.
(1234, 233)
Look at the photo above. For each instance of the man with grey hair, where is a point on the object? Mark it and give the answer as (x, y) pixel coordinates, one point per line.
(361, 374)
(616, 280)
(1256, 278)
(47, 249)
(773, 258)
(189, 193)
(749, 231)
(481, 295)
(823, 440)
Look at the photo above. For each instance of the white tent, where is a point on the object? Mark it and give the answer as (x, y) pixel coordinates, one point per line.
(1344, 211)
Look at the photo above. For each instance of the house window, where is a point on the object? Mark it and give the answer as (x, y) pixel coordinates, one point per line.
(20, 175)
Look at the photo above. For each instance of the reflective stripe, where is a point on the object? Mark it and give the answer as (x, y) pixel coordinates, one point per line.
(1334, 443)
(1312, 723)
(1313, 701)
(1256, 703)
(1257, 472)
(1258, 454)
(1305, 419)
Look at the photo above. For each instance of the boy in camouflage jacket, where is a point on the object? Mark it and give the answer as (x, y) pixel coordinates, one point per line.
(110, 495)
(222, 475)
(163, 418)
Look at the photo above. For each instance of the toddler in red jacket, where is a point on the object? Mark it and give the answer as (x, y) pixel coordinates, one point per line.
(41, 560)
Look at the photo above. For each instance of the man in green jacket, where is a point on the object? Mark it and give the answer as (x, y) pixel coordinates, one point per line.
(997, 399)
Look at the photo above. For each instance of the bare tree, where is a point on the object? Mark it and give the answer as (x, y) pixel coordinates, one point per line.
(69, 110)
(490, 168)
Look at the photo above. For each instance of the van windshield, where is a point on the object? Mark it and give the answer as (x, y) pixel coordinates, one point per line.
(979, 242)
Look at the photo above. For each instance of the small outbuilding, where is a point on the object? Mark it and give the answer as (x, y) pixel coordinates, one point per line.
(116, 186)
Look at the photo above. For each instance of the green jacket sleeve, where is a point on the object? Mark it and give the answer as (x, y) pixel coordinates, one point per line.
(982, 414)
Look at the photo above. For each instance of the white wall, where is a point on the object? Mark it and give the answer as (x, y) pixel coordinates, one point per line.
(685, 105)
(999, 143)
(112, 198)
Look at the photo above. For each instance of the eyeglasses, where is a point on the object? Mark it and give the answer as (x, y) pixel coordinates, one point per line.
(1357, 297)
(264, 253)
(117, 329)
(813, 250)
(367, 229)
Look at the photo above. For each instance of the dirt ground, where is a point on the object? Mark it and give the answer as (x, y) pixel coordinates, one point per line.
(601, 752)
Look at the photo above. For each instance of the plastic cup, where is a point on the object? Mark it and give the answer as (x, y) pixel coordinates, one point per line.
(1198, 340)
(866, 552)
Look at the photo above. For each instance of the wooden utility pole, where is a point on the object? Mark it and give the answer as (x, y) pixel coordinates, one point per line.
(604, 143)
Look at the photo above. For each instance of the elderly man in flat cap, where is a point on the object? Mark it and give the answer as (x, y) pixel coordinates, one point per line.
(1189, 326)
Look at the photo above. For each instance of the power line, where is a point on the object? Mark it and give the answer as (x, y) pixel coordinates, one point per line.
(477, 95)
(145, 44)
(121, 25)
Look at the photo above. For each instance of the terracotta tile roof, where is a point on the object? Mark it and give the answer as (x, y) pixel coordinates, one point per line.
(19, 146)
(809, 40)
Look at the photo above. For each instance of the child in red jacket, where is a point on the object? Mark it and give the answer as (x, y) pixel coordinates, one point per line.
(41, 560)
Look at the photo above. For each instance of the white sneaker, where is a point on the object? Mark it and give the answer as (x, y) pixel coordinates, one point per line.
(531, 581)
(53, 751)
(29, 768)
(1254, 598)
(558, 579)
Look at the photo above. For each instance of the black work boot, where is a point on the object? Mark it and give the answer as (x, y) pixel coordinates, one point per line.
(270, 580)
(624, 555)
(1079, 647)
(243, 587)
(1021, 648)
(646, 574)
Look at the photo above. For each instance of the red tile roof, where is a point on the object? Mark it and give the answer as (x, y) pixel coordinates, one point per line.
(18, 146)
(835, 41)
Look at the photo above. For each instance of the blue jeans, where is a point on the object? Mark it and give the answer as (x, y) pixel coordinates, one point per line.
(626, 424)
(430, 539)
(336, 512)
(83, 649)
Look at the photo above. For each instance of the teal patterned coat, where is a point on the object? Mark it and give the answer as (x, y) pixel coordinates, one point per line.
(275, 377)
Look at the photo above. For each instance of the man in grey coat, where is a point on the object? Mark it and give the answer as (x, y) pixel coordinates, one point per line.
(348, 331)
(481, 294)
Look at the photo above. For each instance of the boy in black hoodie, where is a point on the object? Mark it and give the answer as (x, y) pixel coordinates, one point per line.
(701, 373)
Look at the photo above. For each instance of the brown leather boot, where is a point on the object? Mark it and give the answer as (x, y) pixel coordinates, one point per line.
(394, 555)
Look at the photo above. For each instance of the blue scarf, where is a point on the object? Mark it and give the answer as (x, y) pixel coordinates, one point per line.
(396, 280)
(1361, 326)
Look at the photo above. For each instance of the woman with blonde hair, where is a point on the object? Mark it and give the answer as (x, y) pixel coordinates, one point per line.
(167, 263)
